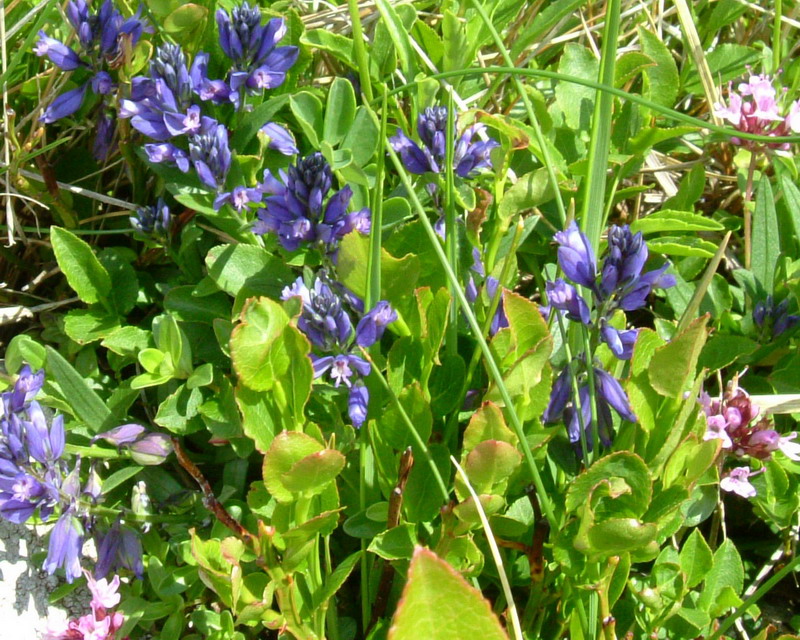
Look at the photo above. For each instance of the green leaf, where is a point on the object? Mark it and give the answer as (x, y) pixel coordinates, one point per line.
(399, 35)
(86, 404)
(673, 365)
(333, 43)
(577, 101)
(21, 349)
(725, 61)
(727, 571)
(490, 463)
(188, 307)
(487, 423)
(362, 140)
(394, 428)
(307, 108)
(89, 325)
(675, 221)
(531, 190)
(395, 544)
(178, 409)
(422, 497)
(618, 535)
(622, 465)
(791, 198)
(724, 349)
(443, 384)
(287, 449)
(234, 267)
(80, 266)
(310, 475)
(258, 351)
(249, 125)
(766, 238)
(685, 246)
(336, 579)
(120, 476)
(662, 78)
(695, 558)
(439, 601)
(128, 341)
(454, 38)
(186, 21)
(340, 111)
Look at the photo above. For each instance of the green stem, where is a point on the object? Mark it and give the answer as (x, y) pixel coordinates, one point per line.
(763, 589)
(366, 609)
(410, 426)
(776, 37)
(376, 223)
(451, 231)
(592, 213)
(494, 371)
(360, 50)
(523, 94)
(595, 414)
(619, 93)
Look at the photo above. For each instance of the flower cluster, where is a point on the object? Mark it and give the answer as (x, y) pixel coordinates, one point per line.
(258, 63)
(34, 475)
(298, 210)
(755, 107)
(499, 320)
(152, 222)
(329, 328)
(619, 284)
(734, 419)
(101, 624)
(105, 38)
(774, 319)
(468, 156)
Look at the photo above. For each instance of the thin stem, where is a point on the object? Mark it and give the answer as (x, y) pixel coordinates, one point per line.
(730, 132)
(360, 50)
(451, 231)
(494, 371)
(748, 215)
(523, 94)
(776, 36)
(731, 619)
(594, 415)
(376, 222)
(410, 426)
(363, 442)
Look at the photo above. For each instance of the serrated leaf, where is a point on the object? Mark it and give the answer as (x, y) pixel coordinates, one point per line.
(286, 449)
(487, 423)
(696, 558)
(437, 599)
(674, 364)
(491, 462)
(727, 571)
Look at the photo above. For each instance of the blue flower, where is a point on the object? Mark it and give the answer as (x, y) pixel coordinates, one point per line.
(152, 222)
(239, 198)
(211, 156)
(64, 550)
(576, 257)
(278, 138)
(258, 63)
(296, 211)
(565, 297)
(65, 105)
(468, 157)
(58, 53)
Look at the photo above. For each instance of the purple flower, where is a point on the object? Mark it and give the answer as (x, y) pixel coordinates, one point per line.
(279, 138)
(169, 154)
(576, 257)
(738, 481)
(45, 445)
(323, 318)
(610, 391)
(340, 367)
(371, 327)
(566, 298)
(468, 157)
(772, 318)
(122, 435)
(65, 105)
(58, 53)
(102, 84)
(119, 548)
(295, 208)
(239, 198)
(357, 403)
(152, 222)
(103, 137)
(559, 397)
(66, 540)
(25, 389)
(258, 63)
(620, 342)
(151, 449)
(211, 156)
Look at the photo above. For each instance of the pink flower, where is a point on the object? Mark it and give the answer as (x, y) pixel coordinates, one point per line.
(104, 593)
(717, 429)
(737, 481)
